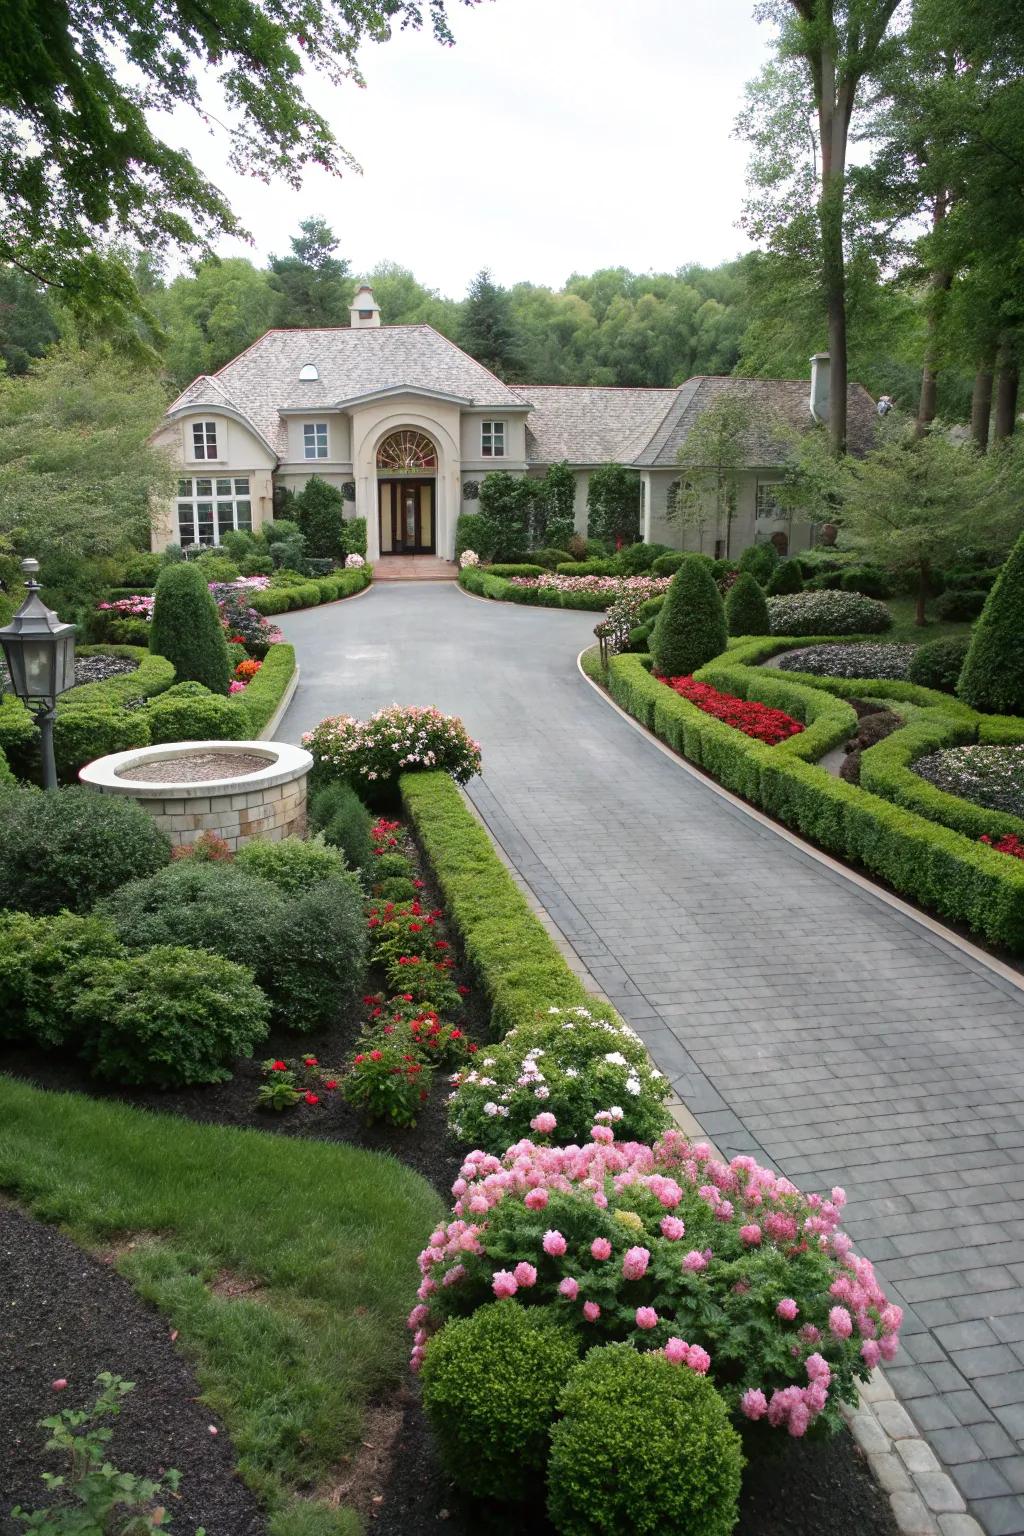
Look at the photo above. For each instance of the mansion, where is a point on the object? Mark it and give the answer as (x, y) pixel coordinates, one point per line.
(406, 424)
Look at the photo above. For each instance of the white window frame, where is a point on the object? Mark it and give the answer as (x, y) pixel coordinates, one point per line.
(204, 441)
(218, 504)
(315, 439)
(766, 505)
(492, 439)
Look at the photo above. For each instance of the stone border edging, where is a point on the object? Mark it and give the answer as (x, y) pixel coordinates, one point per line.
(997, 971)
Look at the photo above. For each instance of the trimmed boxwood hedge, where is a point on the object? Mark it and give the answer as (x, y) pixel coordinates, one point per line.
(321, 589)
(267, 689)
(479, 581)
(507, 571)
(960, 878)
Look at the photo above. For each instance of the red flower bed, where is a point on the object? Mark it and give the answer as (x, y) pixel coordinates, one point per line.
(1009, 843)
(758, 720)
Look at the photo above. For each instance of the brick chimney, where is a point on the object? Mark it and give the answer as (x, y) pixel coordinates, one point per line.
(820, 402)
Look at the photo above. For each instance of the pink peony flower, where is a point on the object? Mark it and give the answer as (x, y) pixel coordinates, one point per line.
(694, 1261)
(818, 1369)
(889, 1346)
(646, 1317)
(417, 1317)
(591, 1311)
(635, 1262)
(554, 1244)
(601, 1248)
(536, 1200)
(840, 1323)
(602, 1133)
(503, 1283)
(677, 1351)
(753, 1403)
(672, 1228)
(698, 1360)
(787, 1309)
(870, 1353)
(799, 1418)
(751, 1235)
(569, 1288)
(525, 1275)
(543, 1123)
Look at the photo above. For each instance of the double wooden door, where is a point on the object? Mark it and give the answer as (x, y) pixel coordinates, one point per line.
(407, 516)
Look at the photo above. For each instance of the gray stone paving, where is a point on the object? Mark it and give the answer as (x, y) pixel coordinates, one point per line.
(798, 1017)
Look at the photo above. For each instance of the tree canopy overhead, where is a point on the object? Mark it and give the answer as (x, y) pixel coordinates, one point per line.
(80, 160)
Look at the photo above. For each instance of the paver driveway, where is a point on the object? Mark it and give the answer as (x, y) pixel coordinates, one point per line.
(798, 1017)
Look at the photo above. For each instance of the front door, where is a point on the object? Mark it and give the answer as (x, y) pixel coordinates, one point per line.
(406, 517)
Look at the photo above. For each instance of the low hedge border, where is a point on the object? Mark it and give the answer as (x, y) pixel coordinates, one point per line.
(511, 954)
(963, 880)
(262, 696)
(317, 590)
(481, 583)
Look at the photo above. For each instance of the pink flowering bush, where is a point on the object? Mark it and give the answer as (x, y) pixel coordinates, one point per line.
(615, 587)
(393, 741)
(557, 1077)
(726, 1267)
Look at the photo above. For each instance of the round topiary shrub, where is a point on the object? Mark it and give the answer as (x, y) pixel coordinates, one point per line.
(992, 679)
(827, 613)
(69, 848)
(186, 628)
(960, 606)
(786, 578)
(867, 580)
(746, 610)
(84, 732)
(690, 627)
(42, 962)
(337, 811)
(293, 864)
(642, 1445)
(939, 663)
(317, 964)
(168, 1017)
(190, 712)
(490, 1383)
(667, 565)
(760, 560)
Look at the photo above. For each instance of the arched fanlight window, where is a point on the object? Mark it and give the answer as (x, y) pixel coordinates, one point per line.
(406, 450)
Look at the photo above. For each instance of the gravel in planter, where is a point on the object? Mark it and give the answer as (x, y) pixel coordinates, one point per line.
(988, 776)
(881, 661)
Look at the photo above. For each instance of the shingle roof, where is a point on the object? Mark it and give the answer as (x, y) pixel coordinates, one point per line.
(350, 362)
(590, 425)
(774, 401)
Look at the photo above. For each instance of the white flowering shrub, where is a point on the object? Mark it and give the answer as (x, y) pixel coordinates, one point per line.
(827, 613)
(393, 741)
(467, 558)
(354, 562)
(570, 1070)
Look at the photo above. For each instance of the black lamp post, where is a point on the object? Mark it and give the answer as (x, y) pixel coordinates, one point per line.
(40, 655)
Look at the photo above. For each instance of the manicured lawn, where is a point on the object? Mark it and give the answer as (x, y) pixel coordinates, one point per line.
(904, 629)
(329, 1232)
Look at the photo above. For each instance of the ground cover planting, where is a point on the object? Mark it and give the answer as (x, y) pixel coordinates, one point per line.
(992, 777)
(857, 660)
(756, 720)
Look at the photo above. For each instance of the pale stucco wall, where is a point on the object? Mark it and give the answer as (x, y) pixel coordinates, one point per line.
(473, 462)
(339, 443)
(240, 452)
(371, 423)
(745, 529)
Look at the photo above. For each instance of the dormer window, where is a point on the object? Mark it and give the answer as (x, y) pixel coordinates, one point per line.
(492, 439)
(204, 439)
(314, 439)
(308, 372)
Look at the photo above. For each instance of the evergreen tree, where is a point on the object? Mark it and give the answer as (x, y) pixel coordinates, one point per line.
(993, 676)
(786, 578)
(746, 608)
(560, 500)
(27, 327)
(320, 513)
(488, 332)
(690, 627)
(313, 285)
(186, 628)
(761, 561)
(613, 504)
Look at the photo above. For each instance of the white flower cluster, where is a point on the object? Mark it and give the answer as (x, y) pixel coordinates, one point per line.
(354, 562)
(467, 558)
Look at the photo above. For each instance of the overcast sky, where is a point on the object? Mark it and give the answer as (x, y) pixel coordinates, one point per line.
(556, 136)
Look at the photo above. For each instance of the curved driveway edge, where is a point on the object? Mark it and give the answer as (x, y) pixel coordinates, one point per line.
(798, 1016)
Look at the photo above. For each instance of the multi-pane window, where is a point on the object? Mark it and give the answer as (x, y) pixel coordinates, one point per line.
(768, 499)
(204, 439)
(314, 439)
(492, 439)
(210, 508)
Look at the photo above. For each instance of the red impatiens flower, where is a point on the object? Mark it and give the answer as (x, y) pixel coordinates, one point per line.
(332, 1082)
(310, 1061)
(757, 720)
(375, 1055)
(311, 1098)
(463, 991)
(280, 1066)
(1009, 843)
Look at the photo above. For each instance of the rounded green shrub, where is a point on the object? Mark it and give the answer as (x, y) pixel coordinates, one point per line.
(186, 628)
(318, 961)
(634, 559)
(337, 811)
(550, 558)
(642, 1445)
(69, 848)
(293, 864)
(168, 1017)
(668, 564)
(960, 605)
(490, 1384)
(746, 610)
(785, 578)
(939, 663)
(690, 627)
(190, 712)
(993, 676)
(827, 613)
(760, 560)
(867, 580)
(217, 567)
(395, 888)
(280, 530)
(391, 865)
(44, 961)
(87, 731)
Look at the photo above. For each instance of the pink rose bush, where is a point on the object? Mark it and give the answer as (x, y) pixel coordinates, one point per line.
(391, 742)
(558, 1076)
(651, 1245)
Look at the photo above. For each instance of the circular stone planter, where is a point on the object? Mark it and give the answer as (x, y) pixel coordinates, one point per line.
(237, 790)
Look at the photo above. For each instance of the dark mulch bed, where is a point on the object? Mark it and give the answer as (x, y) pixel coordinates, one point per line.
(67, 1315)
(800, 1489)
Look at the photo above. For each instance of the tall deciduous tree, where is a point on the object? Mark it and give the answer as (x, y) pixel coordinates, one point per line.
(488, 330)
(313, 284)
(712, 460)
(80, 158)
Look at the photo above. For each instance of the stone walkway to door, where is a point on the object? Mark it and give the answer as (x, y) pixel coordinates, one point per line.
(797, 1016)
(414, 568)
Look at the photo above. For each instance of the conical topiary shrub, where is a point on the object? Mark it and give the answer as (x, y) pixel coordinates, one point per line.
(690, 628)
(760, 560)
(186, 628)
(786, 578)
(746, 608)
(992, 679)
